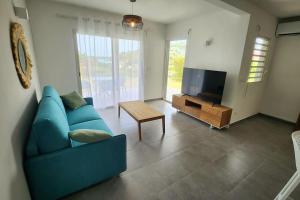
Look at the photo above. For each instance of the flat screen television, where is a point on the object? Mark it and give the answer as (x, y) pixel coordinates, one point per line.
(205, 84)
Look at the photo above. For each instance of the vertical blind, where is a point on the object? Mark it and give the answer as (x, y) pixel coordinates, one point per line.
(258, 61)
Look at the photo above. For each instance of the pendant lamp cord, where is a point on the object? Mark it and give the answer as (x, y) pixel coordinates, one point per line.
(132, 8)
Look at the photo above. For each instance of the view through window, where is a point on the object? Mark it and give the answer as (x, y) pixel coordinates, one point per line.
(110, 69)
(175, 67)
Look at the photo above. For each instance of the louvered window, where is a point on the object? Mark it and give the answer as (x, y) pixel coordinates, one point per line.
(259, 56)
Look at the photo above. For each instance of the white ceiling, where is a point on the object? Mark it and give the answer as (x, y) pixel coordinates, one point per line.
(280, 8)
(164, 11)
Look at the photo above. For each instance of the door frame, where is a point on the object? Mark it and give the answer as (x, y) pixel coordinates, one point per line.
(77, 62)
(165, 70)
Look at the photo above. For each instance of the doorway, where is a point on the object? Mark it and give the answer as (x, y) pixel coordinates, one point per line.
(177, 49)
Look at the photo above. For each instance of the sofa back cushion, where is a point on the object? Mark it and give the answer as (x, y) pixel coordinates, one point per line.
(50, 127)
(50, 91)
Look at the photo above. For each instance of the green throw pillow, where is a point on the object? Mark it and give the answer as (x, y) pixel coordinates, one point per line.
(73, 100)
(88, 135)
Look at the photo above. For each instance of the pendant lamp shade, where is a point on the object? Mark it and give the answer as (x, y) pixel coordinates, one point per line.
(132, 22)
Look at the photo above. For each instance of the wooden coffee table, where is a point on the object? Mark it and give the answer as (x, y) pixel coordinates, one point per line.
(142, 112)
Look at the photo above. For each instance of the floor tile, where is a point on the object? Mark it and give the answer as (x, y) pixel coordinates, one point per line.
(253, 159)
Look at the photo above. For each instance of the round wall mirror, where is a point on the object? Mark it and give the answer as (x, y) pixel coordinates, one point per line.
(22, 59)
(21, 54)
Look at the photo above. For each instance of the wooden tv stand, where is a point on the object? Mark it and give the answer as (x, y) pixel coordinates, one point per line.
(216, 115)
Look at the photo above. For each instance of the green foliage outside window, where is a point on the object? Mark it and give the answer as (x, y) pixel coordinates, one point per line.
(176, 62)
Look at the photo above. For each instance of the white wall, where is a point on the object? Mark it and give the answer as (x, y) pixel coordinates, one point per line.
(229, 52)
(228, 33)
(17, 107)
(55, 52)
(154, 60)
(282, 95)
(248, 97)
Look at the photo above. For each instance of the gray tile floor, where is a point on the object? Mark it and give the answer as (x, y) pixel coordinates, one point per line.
(253, 159)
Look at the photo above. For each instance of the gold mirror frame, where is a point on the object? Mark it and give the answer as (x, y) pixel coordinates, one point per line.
(17, 35)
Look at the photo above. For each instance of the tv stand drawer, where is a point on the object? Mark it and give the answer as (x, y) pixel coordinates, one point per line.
(177, 101)
(193, 111)
(210, 119)
(212, 110)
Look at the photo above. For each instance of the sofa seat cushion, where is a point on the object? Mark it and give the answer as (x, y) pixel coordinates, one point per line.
(97, 124)
(82, 114)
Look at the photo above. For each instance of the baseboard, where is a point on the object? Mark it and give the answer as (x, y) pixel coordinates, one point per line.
(265, 115)
(272, 117)
(252, 116)
(155, 99)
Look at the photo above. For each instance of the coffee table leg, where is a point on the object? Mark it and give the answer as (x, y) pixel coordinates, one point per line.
(163, 124)
(140, 131)
(119, 111)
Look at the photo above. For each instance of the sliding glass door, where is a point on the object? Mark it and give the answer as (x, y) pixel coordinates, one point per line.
(129, 73)
(110, 69)
(95, 65)
(177, 50)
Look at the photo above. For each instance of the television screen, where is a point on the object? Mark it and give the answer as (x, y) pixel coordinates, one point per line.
(205, 84)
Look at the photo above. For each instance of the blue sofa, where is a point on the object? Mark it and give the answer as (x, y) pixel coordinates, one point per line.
(54, 165)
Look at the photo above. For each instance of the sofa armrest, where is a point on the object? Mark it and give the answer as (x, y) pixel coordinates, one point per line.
(57, 174)
(89, 100)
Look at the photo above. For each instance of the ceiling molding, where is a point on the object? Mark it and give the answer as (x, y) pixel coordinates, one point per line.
(280, 8)
(163, 11)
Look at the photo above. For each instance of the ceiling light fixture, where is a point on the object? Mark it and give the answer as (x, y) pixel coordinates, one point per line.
(132, 22)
